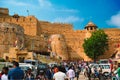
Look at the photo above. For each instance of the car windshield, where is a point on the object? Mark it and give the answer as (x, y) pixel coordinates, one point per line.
(93, 65)
(105, 66)
(33, 62)
(42, 66)
(24, 68)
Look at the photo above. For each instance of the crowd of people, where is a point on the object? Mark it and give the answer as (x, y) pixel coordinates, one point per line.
(14, 74)
(63, 71)
(58, 72)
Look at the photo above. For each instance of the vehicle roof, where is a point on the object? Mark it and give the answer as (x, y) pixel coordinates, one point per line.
(25, 64)
(30, 60)
(103, 59)
(22, 63)
(104, 64)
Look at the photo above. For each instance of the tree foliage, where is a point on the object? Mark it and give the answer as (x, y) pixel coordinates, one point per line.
(96, 45)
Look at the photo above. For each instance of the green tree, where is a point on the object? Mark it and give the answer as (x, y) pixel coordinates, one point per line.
(96, 45)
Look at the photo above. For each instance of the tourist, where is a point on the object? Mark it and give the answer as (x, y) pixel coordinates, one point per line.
(88, 72)
(5, 73)
(2, 72)
(71, 73)
(52, 72)
(66, 68)
(59, 75)
(100, 72)
(117, 72)
(29, 75)
(41, 75)
(63, 69)
(16, 73)
(114, 75)
(48, 73)
(55, 69)
(77, 72)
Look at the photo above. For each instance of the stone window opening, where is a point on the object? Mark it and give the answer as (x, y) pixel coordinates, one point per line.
(58, 38)
(91, 28)
(13, 29)
(30, 19)
(87, 29)
(16, 19)
(3, 19)
(6, 30)
(21, 59)
(7, 58)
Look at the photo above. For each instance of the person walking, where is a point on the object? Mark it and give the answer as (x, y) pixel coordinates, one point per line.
(60, 75)
(113, 75)
(117, 72)
(29, 75)
(5, 73)
(71, 73)
(16, 73)
(2, 72)
(77, 72)
(48, 73)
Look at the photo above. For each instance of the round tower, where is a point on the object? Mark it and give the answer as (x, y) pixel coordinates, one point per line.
(58, 46)
(90, 27)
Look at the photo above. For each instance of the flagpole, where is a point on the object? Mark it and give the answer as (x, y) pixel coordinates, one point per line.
(28, 12)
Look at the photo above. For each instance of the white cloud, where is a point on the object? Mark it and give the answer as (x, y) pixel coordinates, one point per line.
(45, 3)
(44, 7)
(114, 20)
(17, 3)
(69, 19)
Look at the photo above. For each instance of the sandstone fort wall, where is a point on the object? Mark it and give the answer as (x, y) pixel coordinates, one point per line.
(11, 35)
(29, 23)
(37, 34)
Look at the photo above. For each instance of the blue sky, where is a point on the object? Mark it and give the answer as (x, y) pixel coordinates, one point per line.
(104, 13)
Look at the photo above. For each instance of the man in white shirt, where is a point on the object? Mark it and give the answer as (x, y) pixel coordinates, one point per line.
(71, 73)
(59, 75)
(5, 75)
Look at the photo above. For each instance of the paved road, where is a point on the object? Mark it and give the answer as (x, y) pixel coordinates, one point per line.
(81, 77)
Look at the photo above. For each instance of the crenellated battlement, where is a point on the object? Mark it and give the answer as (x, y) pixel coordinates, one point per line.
(28, 23)
(4, 11)
(21, 19)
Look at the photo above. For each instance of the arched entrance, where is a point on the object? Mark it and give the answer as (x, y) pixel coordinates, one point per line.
(21, 59)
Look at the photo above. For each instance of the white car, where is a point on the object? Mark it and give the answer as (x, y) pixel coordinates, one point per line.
(93, 65)
(105, 68)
